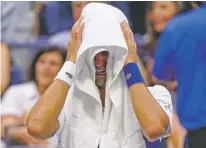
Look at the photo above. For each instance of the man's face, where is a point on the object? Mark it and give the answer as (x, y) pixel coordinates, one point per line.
(100, 66)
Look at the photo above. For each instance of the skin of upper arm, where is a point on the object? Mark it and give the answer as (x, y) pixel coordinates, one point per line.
(150, 114)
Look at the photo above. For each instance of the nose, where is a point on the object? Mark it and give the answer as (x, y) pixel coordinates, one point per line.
(46, 64)
(46, 67)
(156, 13)
(99, 60)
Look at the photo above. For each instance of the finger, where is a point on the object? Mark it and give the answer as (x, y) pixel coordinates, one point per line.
(78, 35)
(79, 21)
(133, 43)
(125, 31)
(129, 37)
(131, 40)
(122, 24)
(76, 32)
(70, 41)
(123, 27)
(75, 26)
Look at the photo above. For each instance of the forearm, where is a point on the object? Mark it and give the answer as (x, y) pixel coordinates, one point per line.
(36, 29)
(37, 10)
(151, 116)
(42, 121)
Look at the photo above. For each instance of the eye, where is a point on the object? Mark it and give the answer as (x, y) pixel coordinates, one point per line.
(164, 6)
(105, 53)
(41, 61)
(54, 63)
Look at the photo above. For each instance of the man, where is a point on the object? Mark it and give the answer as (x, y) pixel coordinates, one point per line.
(182, 46)
(152, 113)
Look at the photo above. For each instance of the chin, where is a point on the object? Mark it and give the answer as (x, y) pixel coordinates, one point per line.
(101, 83)
(159, 29)
(46, 83)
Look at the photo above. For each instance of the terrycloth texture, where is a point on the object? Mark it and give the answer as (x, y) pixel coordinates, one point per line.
(83, 124)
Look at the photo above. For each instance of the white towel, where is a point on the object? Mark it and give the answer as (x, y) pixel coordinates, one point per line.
(85, 125)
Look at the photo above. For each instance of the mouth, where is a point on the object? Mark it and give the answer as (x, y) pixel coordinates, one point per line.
(158, 22)
(101, 72)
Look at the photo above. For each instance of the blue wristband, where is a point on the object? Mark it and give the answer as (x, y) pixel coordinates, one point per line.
(132, 74)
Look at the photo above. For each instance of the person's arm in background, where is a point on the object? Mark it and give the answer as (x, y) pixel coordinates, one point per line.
(5, 67)
(177, 138)
(13, 119)
(11, 109)
(7, 121)
(19, 133)
(12, 122)
(42, 121)
(37, 9)
(16, 132)
(170, 84)
(151, 116)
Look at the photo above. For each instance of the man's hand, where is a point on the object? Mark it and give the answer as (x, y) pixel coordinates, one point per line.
(75, 40)
(132, 52)
(131, 44)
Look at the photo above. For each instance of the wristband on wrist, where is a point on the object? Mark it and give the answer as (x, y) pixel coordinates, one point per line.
(67, 73)
(132, 74)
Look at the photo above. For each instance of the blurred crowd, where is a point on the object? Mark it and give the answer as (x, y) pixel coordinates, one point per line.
(42, 30)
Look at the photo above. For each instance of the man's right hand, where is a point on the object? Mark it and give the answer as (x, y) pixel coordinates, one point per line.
(75, 40)
(49, 106)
